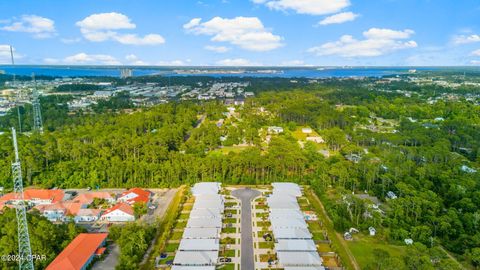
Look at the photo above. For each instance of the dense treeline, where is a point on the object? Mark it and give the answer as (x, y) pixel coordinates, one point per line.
(420, 159)
(46, 238)
(54, 114)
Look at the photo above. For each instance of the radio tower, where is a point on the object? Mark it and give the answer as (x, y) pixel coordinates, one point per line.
(24, 249)
(37, 112)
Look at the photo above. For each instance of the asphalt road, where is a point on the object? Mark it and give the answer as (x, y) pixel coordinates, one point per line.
(246, 196)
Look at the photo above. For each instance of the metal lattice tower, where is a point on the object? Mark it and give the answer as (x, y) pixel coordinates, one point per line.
(37, 112)
(24, 249)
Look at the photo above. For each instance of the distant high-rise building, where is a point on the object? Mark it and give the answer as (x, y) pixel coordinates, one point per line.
(126, 72)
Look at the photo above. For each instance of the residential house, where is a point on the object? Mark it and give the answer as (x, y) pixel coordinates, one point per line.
(134, 195)
(79, 254)
(121, 212)
(87, 215)
(35, 196)
(60, 211)
(87, 198)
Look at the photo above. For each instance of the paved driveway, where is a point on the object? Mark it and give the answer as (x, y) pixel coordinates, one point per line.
(110, 261)
(246, 195)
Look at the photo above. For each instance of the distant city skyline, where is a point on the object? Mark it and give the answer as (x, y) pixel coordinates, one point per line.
(241, 33)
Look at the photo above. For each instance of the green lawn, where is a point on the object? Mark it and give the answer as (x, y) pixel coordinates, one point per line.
(183, 216)
(266, 245)
(180, 225)
(227, 241)
(362, 248)
(228, 253)
(262, 215)
(228, 266)
(176, 236)
(229, 230)
(230, 220)
(314, 226)
(260, 206)
(230, 204)
(231, 211)
(299, 135)
(263, 224)
(171, 247)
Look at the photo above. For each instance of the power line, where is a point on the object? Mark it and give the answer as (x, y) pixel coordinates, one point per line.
(37, 111)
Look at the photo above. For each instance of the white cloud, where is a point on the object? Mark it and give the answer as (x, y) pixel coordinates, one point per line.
(311, 7)
(377, 42)
(106, 21)
(105, 26)
(39, 27)
(172, 63)
(476, 53)
(192, 23)
(475, 62)
(134, 60)
(237, 62)
(99, 59)
(218, 49)
(463, 39)
(339, 18)
(133, 39)
(245, 32)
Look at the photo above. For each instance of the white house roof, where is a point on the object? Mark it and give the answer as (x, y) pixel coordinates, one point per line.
(292, 258)
(287, 188)
(285, 213)
(206, 188)
(208, 205)
(278, 204)
(203, 233)
(196, 258)
(289, 233)
(199, 244)
(295, 245)
(209, 213)
(289, 223)
(181, 267)
(209, 197)
(205, 222)
(281, 197)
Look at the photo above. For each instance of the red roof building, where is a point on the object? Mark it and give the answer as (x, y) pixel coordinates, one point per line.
(121, 212)
(134, 195)
(79, 253)
(36, 196)
(87, 198)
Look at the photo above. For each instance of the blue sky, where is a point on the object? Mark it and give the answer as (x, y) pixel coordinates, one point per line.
(246, 32)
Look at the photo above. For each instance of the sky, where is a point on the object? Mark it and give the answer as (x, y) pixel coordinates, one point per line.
(241, 32)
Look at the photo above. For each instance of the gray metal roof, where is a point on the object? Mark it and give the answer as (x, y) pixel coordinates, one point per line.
(196, 258)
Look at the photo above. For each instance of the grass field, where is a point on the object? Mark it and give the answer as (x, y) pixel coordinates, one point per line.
(362, 248)
(299, 135)
(328, 225)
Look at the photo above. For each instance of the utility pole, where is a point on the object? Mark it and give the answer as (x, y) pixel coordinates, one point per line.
(37, 112)
(24, 250)
(18, 93)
